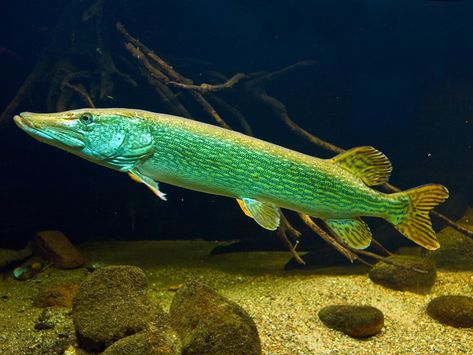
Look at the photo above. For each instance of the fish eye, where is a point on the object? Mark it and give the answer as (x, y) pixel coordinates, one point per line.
(86, 118)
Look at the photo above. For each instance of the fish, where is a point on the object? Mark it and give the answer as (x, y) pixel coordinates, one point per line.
(263, 177)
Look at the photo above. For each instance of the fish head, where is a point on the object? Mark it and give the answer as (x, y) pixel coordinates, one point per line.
(110, 137)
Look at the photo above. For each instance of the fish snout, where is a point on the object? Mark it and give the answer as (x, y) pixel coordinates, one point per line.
(24, 120)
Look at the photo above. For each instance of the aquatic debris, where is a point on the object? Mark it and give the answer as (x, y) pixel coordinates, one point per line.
(405, 278)
(209, 323)
(454, 310)
(58, 295)
(355, 321)
(152, 341)
(54, 246)
(29, 268)
(93, 266)
(120, 291)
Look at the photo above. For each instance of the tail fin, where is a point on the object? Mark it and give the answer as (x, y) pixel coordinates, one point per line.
(416, 224)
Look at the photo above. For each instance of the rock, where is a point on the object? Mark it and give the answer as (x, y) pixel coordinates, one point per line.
(455, 252)
(29, 268)
(411, 251)
(154, 341)
(56, 296)
(355, 321)
(9, 257)
(399, 278)
(111, 304)
(55, 247)
(208, 323)
(456, 311)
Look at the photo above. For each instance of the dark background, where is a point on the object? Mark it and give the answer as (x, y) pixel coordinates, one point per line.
(397, 75)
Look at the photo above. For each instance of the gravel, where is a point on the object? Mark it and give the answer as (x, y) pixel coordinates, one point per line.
(284, 305)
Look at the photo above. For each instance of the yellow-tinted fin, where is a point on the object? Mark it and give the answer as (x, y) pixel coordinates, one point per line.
(150, 183)
(367, 163)
(353, 231)
(416, 224)
(243, 208)
(265, 214)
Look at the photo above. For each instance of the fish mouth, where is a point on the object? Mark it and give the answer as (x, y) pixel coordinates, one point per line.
(22, 122)
(48, 130)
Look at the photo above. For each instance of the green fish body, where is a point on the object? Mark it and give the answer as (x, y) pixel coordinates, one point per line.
(263, 177)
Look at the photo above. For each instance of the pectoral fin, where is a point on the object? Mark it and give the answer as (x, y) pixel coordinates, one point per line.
(352, 231)
(150, 183)
(243, 208)
(265, 214)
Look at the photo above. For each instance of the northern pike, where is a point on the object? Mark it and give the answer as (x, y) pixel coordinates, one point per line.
(261, 176)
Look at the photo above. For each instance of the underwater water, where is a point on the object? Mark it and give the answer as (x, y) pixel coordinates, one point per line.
(136, 237)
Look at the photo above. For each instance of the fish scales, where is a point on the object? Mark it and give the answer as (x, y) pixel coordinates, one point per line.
(209, 159)
(262, 176)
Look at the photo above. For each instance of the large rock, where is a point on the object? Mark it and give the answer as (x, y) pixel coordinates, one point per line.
(402, 278)
(153, 341)
(355, 321)
(455, 252)
(208, 323)
(456, 311)
(55, 247)
(111, 304)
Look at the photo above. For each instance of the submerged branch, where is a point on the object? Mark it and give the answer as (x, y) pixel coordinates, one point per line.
(33, 79)
(280, 110)
(204, 87)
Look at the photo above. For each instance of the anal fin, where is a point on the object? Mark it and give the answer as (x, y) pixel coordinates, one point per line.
(150, 183)
(267, 215)
(353, 231)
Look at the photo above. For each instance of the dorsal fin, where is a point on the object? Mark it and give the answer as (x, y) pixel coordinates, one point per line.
(367, 163)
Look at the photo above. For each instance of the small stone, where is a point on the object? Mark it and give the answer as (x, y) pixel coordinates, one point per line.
(453, 310)
(405, 279)
(56, 296)
(209, 323)
(55, 247)
(355, 321)
(153, 341)
(111, 304)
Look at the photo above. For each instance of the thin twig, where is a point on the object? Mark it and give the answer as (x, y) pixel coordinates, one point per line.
(328, 238)
(264, 78)
(280, 110)
(388, 261)
(204, 87)
(157, 79)
(283, 228)
(82, 93)
(235, 112)
(36, 75)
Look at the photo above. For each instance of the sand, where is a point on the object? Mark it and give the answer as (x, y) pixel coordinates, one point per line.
(283, 304)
